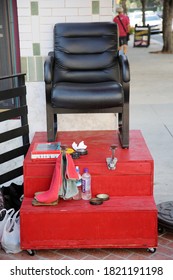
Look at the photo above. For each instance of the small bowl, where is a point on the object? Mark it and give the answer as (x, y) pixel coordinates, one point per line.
(96, 201)
(82, 152)
(103, 196)
(75, 155)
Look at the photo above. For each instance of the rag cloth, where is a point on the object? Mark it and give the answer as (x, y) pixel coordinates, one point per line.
(63, 181)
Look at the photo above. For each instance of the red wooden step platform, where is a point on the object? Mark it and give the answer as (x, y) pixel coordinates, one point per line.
(133, 174)
(127, 219)
(119, 222)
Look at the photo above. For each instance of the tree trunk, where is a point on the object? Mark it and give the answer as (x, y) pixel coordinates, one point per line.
(123, 4)
(143, 2)
(167, 27)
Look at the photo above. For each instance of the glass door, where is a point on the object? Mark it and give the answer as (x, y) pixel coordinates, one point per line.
(9, 47)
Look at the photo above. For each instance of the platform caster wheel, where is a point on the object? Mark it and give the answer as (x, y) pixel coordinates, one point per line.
(160, 229)
(31, 252)
(151, 250)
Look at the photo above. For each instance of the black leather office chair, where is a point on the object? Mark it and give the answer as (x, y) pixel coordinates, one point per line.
(86, 74)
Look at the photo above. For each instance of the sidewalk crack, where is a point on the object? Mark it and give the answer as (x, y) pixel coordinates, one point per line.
(168, 130)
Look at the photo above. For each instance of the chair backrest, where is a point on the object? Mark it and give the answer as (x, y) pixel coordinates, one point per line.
(85, 52)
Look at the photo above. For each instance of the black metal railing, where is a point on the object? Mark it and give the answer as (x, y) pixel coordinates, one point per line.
(16, 91)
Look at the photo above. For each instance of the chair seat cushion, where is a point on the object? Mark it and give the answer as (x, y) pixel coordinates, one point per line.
(87, 95)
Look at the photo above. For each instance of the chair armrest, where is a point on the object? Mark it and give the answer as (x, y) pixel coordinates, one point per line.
(124, 66)
(48, 69)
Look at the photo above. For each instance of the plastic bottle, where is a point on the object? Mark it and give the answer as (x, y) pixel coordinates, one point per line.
(86, 185)
(78, 196)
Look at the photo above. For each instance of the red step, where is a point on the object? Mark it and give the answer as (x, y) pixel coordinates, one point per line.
(133, 174)
(120, 222)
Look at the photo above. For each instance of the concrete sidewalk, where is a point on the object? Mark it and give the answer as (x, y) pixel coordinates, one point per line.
(151, 110)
